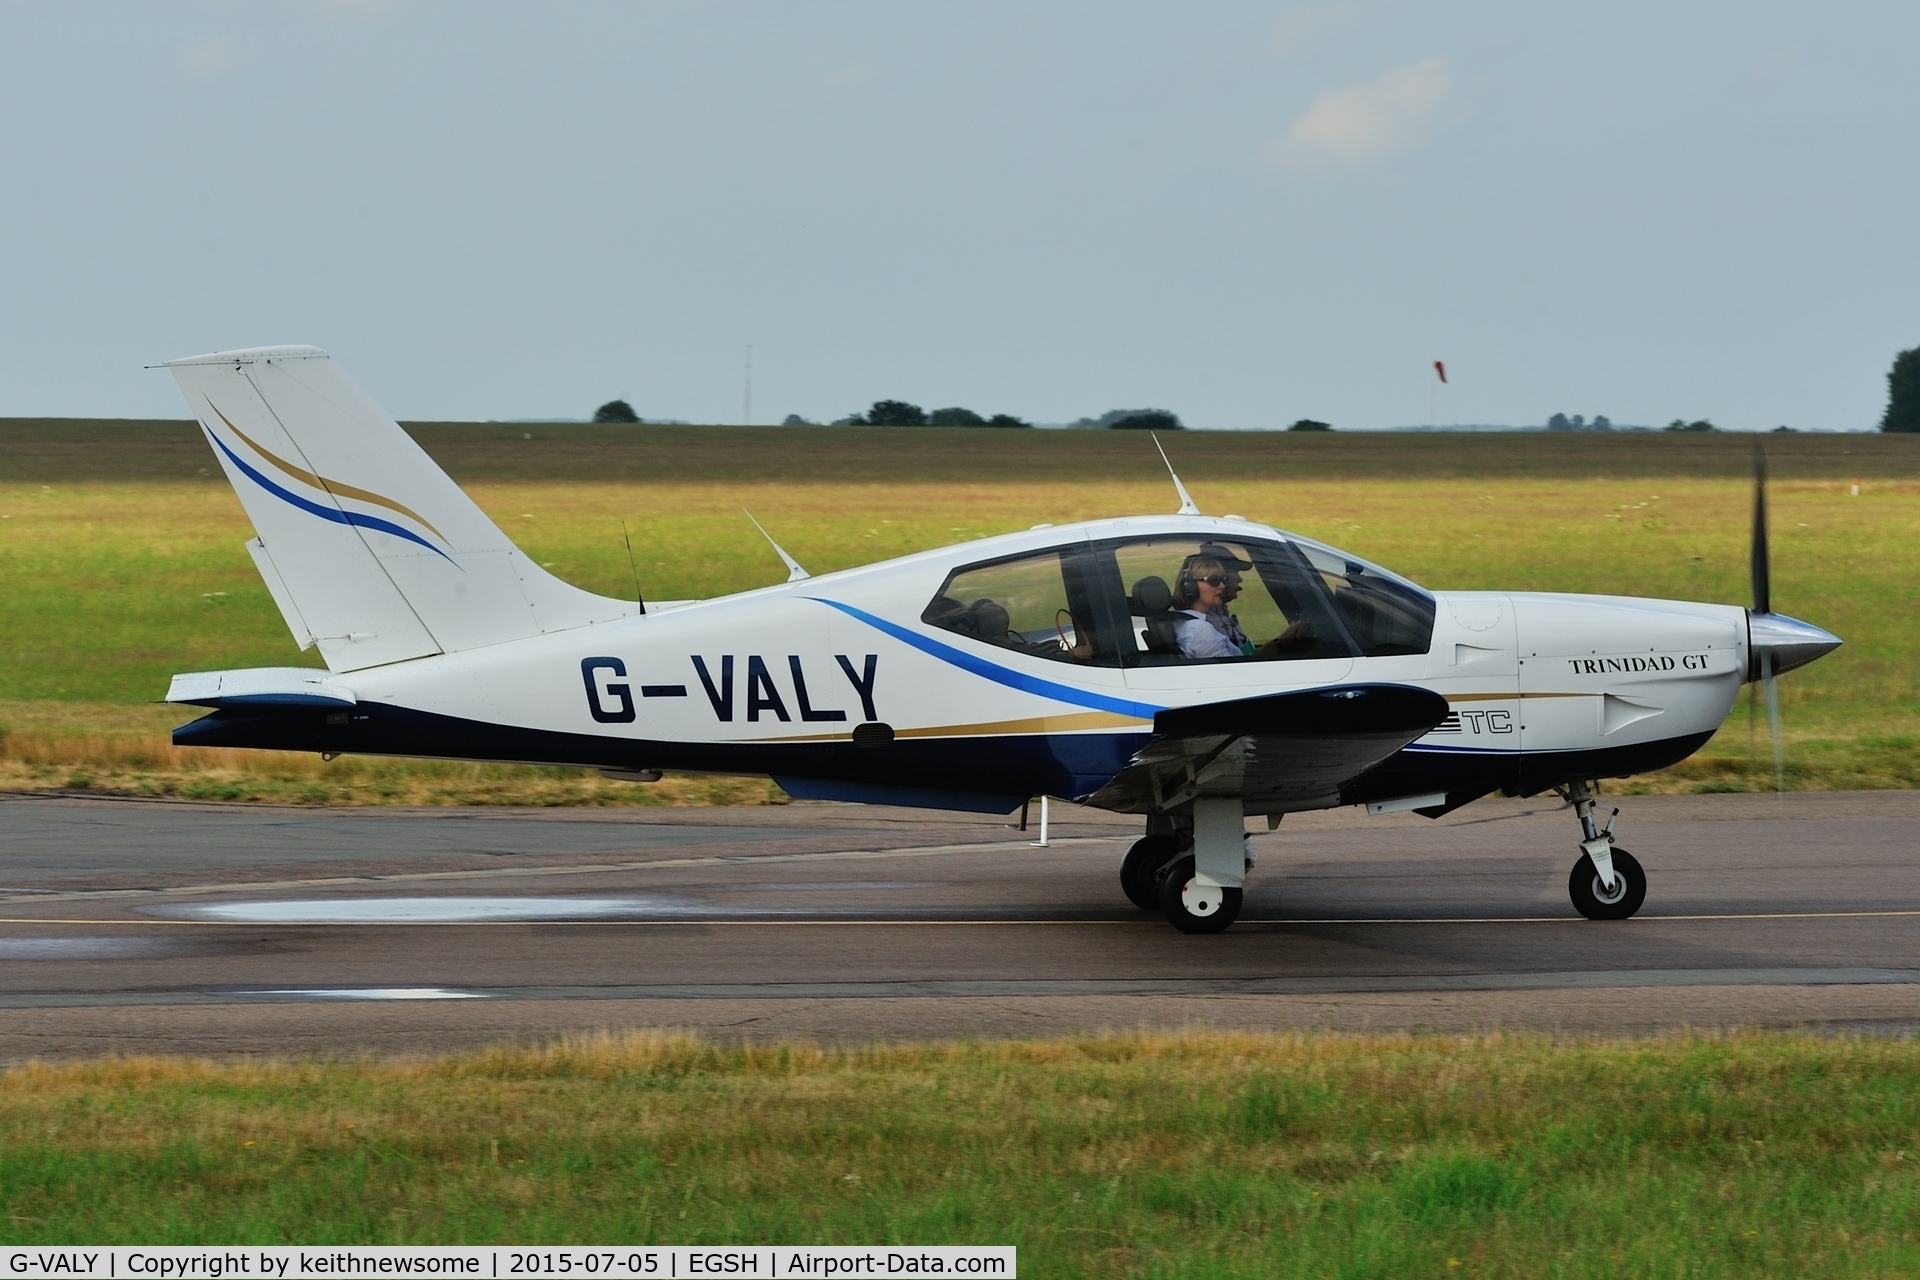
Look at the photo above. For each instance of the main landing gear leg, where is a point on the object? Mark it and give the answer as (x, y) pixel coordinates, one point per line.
(1606, 883)
(1201, 892)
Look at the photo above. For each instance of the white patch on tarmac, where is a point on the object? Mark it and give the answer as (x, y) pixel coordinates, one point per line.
(369, 993)
(430, 910)
(80, 948)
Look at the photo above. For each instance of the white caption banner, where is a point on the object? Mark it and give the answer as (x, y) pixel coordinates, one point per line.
(500, 1262)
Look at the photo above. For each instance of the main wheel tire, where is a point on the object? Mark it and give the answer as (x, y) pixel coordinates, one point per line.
(1592, 900)
(1140, 869)
(1192, 909)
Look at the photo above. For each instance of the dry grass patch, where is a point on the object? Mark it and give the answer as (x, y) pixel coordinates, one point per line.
(118, 750)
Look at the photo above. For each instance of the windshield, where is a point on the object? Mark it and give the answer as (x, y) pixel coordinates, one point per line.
(1384, 612)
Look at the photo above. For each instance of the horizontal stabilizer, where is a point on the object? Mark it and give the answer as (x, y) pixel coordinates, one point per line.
(262, 687)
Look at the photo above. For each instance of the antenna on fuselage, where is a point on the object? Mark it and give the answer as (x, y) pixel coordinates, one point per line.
(794, 572)
(638, 599)
(1186, 499)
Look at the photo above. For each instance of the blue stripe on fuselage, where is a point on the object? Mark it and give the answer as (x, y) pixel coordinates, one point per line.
(979, 666)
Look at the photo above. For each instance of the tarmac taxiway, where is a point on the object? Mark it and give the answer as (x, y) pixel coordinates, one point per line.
(147, 926)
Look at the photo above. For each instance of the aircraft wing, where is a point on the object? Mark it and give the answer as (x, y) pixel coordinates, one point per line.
(1276, 753)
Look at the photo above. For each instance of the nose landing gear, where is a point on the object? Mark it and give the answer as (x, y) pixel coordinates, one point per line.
(1607, 883)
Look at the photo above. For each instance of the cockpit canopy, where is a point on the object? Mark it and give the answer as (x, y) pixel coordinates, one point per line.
(1138, 601)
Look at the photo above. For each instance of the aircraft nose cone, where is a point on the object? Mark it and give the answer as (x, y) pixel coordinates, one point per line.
(1791, 642)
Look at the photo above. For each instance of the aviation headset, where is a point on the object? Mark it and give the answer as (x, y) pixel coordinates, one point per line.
(1185, 587)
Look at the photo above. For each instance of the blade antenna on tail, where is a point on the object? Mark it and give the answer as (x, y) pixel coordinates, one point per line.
(1762, 604)
(1187, 508)
(794, 572)
(634, 568)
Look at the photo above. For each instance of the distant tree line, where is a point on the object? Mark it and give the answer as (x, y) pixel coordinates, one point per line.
(1561, 422)
(1132, 420)
(1903, 405)
(899, 413)
(1903, 413)
(1903, 393)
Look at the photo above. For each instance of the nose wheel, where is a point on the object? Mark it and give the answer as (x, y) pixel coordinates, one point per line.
(1598, 901)
(1607, 883)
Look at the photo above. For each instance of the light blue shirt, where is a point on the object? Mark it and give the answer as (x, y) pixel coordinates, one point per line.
(1199, 638)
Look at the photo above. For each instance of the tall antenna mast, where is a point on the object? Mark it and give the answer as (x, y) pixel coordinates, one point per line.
(794, 572)
(1186, 499)
(638, 599)
(746, 404)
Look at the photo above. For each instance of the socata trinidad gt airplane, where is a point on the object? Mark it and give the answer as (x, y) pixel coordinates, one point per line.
(970, 678)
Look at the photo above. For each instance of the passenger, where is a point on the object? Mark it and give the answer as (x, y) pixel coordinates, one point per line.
(1208, 630)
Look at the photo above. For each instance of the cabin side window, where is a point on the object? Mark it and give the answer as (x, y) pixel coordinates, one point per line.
(1043, 605)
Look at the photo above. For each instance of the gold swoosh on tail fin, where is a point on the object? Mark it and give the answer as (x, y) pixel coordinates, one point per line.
(338, 488)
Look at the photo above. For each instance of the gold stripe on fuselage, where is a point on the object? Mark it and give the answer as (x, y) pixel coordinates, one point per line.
(1510, 697)
(1092, 720)
(1036, 724)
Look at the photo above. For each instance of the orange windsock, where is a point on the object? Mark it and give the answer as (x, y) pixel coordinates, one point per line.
(1440, 367)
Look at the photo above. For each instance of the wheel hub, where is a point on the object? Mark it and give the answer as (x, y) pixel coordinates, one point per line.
(1202, 899)
(1610, 896)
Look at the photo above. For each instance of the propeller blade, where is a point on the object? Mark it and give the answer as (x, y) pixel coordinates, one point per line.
(1753, 723)
(1773, 721)
(1762, 579)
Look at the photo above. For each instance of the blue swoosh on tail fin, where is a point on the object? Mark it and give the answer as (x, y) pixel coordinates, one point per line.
(334, 514)
(992, 671)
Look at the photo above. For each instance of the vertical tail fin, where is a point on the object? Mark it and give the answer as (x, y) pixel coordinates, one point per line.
(370, 549)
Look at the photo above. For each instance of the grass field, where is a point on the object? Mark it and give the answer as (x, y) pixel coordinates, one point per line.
(121, 563)
(1215, 1154)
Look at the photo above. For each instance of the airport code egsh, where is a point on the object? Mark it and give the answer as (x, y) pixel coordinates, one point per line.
(504, 1262)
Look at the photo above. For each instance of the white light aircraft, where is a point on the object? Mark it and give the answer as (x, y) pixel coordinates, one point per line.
(1193, 670)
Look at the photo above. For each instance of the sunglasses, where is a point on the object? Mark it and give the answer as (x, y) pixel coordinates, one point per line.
(1213, 580)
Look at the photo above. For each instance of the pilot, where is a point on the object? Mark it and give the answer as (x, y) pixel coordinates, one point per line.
(1232, 566)
(1208, 630)
(1204, 601)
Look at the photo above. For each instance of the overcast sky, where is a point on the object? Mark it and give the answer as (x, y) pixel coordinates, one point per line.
(1246, 213)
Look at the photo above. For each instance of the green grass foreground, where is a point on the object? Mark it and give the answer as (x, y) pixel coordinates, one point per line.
(1147, 1155)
